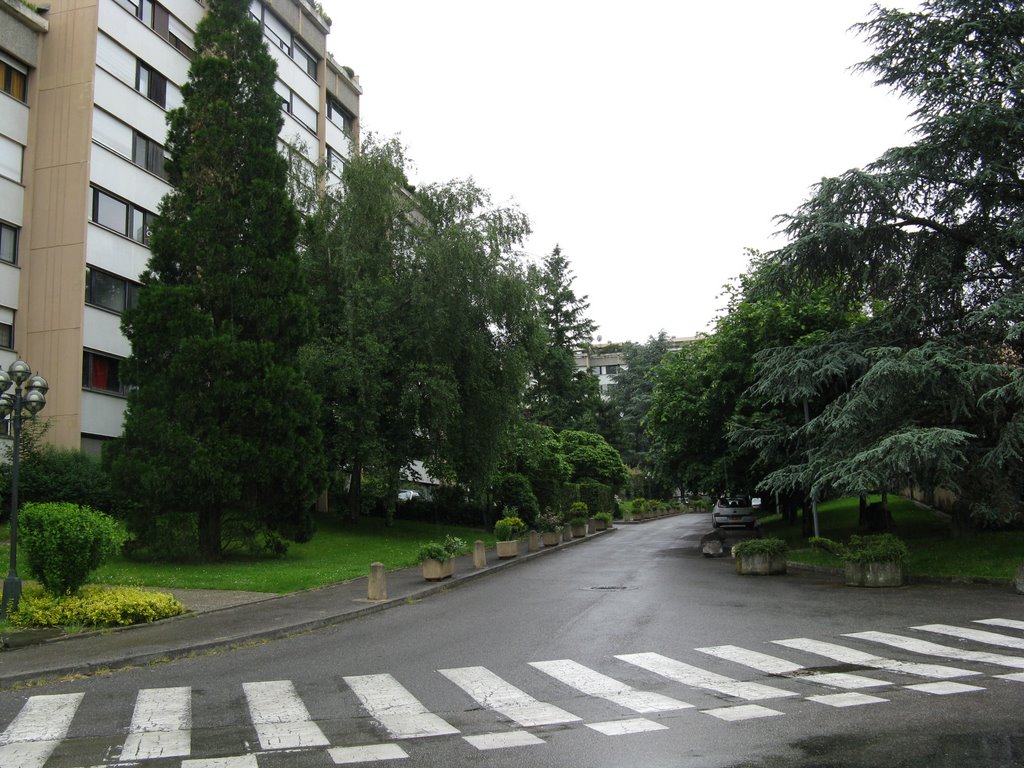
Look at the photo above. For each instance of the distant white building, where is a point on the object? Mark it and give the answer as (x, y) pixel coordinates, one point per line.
(605, 361)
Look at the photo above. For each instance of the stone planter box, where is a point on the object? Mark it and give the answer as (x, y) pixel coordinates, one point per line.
(601, 525)
(874, 574)
(579, 531)
(552, 538)
(760, 565)
(438, 570)
(507, 549)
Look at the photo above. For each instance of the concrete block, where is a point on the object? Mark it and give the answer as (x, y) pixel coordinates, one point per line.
(479, 554)
(534, 543)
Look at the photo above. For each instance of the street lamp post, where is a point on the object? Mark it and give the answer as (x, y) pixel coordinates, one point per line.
(25, 400)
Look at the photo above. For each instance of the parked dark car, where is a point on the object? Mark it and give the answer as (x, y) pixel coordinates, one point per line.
(733, 511)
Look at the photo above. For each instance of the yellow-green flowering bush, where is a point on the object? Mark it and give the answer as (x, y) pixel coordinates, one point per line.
(94, 606)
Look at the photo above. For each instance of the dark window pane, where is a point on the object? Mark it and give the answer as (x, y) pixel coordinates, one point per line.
(111, 212)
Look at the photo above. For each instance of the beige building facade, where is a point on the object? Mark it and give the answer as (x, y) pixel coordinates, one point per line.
(82, 133)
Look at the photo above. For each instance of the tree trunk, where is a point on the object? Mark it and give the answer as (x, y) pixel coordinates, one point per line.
(862, 519)
(209, 534)
(807, 528)
(355, 491)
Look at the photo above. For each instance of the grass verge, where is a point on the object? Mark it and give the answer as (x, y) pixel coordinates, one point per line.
(340, 550)
(933, 550)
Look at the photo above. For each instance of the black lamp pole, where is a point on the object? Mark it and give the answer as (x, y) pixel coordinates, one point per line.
(27, 399)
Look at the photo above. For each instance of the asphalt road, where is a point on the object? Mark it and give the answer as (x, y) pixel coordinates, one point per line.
(632, 650)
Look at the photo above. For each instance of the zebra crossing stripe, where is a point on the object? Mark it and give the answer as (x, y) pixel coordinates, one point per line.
(626, 727)
(594, 683)
(43, 722)
(978, 635)
(1008, 623)
(491, 691)
(239, 761)
(846, 699)
(281, 719)
(397, 710)
(701, 678)
(504, 740)
(742, 712)
(846, 655)
(934, 649)
(773, 665)
(161, 725)
(371, 753)
(944, 688)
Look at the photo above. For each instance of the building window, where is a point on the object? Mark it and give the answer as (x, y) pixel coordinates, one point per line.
(8, 243)
(101, 372)
(335, 161)
(121, 216)
(611, 370)
(11, 153)
(13, 79)
(340, 116)
(103, 289)
(305, 59)
(6, 335)
(148, 154)
(151, 84)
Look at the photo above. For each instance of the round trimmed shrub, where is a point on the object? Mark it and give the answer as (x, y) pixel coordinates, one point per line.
(65, 543)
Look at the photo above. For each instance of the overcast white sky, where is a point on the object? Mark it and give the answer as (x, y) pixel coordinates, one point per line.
(653, 140)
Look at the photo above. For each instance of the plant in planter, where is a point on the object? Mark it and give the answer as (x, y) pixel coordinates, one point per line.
(869, 561)
(760, 556)
(604, 520)
(437, 557)
(578, 519)
(507, 532)
(550, 526)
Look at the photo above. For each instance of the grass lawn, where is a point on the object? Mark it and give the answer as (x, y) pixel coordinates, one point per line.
(933, 551)
(338, 551)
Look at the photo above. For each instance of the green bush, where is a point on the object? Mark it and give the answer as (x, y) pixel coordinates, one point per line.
(514, 491)
(768, 547)
(606, 516)
(94, 607)
(509, 528)
(548, 521)
(881, 548)
(59, 474)
(441, 550)
(598, 496)
(65, 543)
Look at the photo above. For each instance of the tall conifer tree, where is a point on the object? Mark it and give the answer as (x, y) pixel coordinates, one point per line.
(221, 438)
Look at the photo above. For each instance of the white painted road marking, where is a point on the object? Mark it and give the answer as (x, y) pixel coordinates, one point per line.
(241, 761)
(504, 740)
(743, 712)
(846, 655)
(701, 678)
(934, 649)
(281, 719)
(846, 699)
(776, 666)
(627, 727)
(594, 683)
(491, 691)
(39, 727)
(943, 688)
(1008, 623)
(978, 635)
(371, 753)
(161, 725)
(401, 714)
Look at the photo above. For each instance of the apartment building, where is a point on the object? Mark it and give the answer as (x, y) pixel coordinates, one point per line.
(606, 361)
(82, 133)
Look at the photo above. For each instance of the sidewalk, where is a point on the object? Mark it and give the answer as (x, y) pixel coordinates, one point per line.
(211, 627)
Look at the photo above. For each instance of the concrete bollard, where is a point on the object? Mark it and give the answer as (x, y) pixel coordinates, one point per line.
(591, 526)
(534, 543)
(566, 532)
(479, 554)
(1019, 581)
(378, 584)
